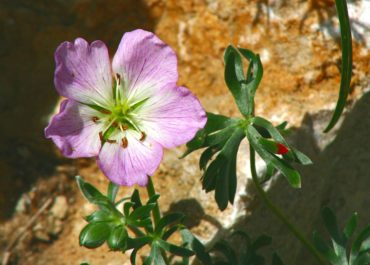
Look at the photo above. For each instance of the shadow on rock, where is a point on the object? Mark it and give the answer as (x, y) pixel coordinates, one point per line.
(30, 31)
(339, 178)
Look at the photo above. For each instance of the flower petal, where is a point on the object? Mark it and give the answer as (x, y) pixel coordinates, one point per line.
(133, 164)
(74, 131)
(145, 62)
(83, 72)
(172, 117)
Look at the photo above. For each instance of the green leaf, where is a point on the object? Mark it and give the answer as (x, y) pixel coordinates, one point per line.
(126, 208)
(133, 257)
(153, 199)
(209, 178)
(142, 212)
(101, 216)
(112, 191)
(254, 76)
(135, 198)
(223, 247)
(276, 260)
(261, 241)
(221, 173)
(324, 249)
(157, 255)
(331, 224)
(219, 137)
(363, 259)
(193, 243)
(118, 238)
(90, 192)
(94, 235)
(170, 231)
(176, 250)
(276, 135)
(300, 157)
(139, 242)
(207, 155)
(338, 240)
(358, 245)
(346, 69)
(214, 123)
(234, 79)
(350, 227)
(168, 220)
(292, 175)
(147, 223)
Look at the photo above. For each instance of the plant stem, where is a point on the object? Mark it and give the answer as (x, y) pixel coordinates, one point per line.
(278, 211)
(151, 192)
(156, 213)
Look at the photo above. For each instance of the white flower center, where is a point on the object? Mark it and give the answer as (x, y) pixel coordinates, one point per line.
(120, 117)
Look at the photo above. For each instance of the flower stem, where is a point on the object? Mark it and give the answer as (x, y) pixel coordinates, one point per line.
(151, 192)
(156, 213)
(278, 212)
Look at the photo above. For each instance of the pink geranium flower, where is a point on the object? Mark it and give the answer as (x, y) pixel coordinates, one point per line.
(124, 112)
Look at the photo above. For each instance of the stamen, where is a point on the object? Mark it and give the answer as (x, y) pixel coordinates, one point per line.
(95, 119)
(124, 142)
(111, 141)
(105, 111)
(109, 125)
(133, 123)
(143, 136)
(101, 136)
(124, 127)
(115, 124)
(118, 77)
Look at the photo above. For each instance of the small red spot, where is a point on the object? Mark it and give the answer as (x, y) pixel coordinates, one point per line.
(282, 149)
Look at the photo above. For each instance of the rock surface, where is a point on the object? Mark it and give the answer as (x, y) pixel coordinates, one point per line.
(301, 57)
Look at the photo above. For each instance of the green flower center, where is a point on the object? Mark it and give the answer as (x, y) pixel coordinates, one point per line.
(120, 117)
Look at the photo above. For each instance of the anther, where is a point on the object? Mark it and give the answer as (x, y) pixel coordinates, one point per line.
(118, 77)
(101, 136)
(124, 142)
(111, 141)
(95, 119)
(124, 127)
(115, 124)
(105, 111)
(143, 136)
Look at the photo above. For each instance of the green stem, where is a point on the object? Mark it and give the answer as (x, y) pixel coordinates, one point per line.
(136, 230)
(156, 213)
(278, 212)
(151, 192)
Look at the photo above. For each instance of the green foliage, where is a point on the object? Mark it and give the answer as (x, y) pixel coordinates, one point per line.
(242, 86)
(346, 69)
(222, 135)
(223, 253)
(342, 252)
(108, 224)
